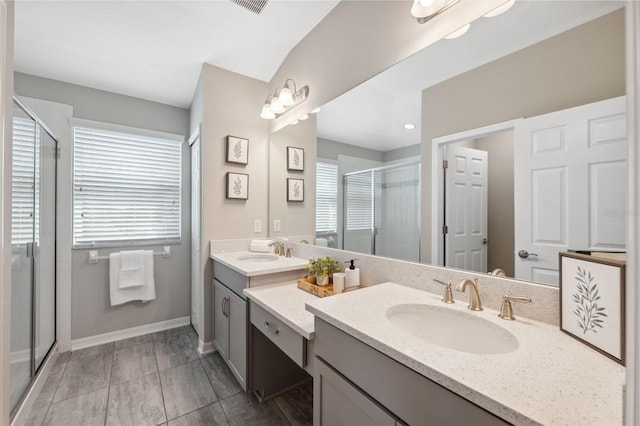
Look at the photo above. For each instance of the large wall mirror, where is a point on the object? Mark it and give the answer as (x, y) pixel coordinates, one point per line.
(381, 189)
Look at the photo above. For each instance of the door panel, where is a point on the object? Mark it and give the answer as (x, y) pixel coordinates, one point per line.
(570, 185)
(196, 270)
(466, 208)
(220, 321)
(238, 337)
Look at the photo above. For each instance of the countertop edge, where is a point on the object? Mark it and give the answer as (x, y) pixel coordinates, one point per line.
(220, 257)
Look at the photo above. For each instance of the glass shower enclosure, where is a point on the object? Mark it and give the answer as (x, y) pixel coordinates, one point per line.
(382, 211)
(33, 252)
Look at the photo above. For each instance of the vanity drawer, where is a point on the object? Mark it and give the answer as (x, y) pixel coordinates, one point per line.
(284, 337)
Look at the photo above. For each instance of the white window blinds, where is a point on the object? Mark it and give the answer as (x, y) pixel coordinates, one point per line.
(326, 197)
(23, 191)
(126, 188)
(358, 199)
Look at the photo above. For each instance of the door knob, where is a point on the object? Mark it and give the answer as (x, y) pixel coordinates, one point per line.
(485, 241)
(524, 254)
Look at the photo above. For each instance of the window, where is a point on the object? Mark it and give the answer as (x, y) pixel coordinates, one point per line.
(326, 198)
(26, 165)
(358, 201)
(126, 188)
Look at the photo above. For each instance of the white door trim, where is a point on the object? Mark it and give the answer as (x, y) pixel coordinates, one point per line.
(632, 400)
(436, 191)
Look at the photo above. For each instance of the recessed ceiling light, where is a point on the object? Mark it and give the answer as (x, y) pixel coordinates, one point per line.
(409, 126)
(459, 32)
(500, 9)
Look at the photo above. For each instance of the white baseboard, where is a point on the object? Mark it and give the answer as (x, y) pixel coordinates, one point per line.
(205, 347)
(113, 336)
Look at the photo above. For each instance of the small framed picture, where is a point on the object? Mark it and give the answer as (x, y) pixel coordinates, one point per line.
(295, 189)
(295, 158)
(237, 150)
(237, 186)
(592, 302)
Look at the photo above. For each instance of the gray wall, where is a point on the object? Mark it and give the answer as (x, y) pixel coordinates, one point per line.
(500, 222)
(91, 313)
(580, 66)
(402, 153)
(330, 150)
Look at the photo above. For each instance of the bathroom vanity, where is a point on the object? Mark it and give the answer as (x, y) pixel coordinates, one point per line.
(233, 272)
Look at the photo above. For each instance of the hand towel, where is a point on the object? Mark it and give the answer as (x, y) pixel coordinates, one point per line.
(260, 246)
(131, 269)
(145, 293)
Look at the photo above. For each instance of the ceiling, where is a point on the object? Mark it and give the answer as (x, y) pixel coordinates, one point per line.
(155, 49)
(373, 114)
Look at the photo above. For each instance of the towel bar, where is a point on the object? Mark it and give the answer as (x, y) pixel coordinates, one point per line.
(94, 258)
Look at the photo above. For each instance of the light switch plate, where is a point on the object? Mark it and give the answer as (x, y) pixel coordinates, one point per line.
(257, 225)
(276, 225)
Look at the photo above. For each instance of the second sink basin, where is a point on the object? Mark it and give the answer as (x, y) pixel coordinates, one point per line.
(259, 257)
(452, 329)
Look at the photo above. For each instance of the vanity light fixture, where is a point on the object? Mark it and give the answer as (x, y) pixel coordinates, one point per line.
(284, 99)
(315, 110)
(304, 117)
(409, 126)
(293, 123)
(459, 32)
(424, 10)
(500, 9)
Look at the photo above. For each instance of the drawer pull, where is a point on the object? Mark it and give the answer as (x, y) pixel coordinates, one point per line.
(271, 328)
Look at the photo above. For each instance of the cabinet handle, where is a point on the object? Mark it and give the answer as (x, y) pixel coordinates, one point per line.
(270, 327)
(224, 311)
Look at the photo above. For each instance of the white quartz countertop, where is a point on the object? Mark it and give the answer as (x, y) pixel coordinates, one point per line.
(287, 303)
(549, 379)
(250, 268)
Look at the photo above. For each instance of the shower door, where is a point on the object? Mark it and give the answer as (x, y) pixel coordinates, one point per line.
(33, 237)
(382, 211)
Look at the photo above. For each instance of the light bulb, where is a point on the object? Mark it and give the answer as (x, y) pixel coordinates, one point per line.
(426, 3)
(426, 8)
(500, 9)
(285, 97)
(267, 114)
(276, 106)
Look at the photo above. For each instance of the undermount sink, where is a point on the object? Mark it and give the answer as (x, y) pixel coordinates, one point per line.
(258, 257)
(452, 329)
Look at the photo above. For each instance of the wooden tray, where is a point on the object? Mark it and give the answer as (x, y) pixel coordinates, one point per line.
(316, 290)
(320, 290)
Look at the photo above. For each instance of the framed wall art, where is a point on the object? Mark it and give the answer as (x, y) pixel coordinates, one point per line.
(237, 186)
(237, 150)
(592, 302)
(295, 189)
(295, 158)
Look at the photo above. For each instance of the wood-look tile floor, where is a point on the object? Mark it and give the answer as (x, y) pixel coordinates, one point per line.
(157, 379)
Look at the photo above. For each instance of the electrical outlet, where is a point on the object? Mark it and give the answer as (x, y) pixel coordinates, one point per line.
(276, 225)
(257, 225)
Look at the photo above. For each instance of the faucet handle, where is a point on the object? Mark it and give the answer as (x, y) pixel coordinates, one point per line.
(288, 252)
(506, 310)
(447, 297)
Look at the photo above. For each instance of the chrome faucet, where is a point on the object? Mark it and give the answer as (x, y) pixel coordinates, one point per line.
(474, 297)
(278, 248)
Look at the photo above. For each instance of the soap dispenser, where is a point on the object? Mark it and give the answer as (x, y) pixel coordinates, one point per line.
(351, 275)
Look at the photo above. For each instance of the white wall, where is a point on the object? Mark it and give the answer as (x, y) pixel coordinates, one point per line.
(91, 312)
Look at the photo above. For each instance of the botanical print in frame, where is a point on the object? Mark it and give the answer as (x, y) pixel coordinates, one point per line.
(592, 302)
(295, 158)
(237, 186)
(295, 189)
(237, 150)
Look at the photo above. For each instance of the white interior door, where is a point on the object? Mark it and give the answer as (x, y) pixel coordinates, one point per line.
(570, 186)
(196, 270)
(466, 208)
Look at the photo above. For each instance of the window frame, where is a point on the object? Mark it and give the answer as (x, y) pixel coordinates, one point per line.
(179, 139)
(337, 200)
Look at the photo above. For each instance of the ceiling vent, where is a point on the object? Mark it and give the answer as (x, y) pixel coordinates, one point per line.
(253, 6)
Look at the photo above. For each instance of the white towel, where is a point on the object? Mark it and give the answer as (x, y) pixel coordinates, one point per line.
(131, 269)
(145, 293)
(260, 246)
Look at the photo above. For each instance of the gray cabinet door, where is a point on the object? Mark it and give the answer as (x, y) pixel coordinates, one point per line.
(337, 402)
(221, 302)
(237, 310)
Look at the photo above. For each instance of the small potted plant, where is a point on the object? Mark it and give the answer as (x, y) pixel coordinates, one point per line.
(322, 269)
